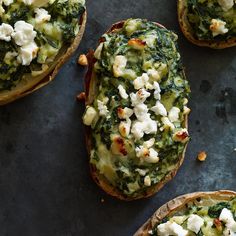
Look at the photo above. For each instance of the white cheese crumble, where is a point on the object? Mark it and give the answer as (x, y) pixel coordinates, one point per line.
(173, 229)
(139, 97)
(181, 135)
(167, 124)
(226, 4)
(141, 112)
(23, 33)
(149, 143)
(124, 127)
(195, 223)
(148, 126)
(140, 82)
(125, 113)
(102, 108)
(174, 114)
(157, 91)
(159, 109)
(218, 27)
(27, 53)
(122, 92)
(5, 32)
(41, 15)
(119, 65)
(227, 217)
(89, 115)
(147, 181)
(148, 155)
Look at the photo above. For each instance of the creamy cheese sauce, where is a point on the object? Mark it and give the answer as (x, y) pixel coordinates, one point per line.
(32, 32)
(137, 117)
(201, 218)
(212, 19)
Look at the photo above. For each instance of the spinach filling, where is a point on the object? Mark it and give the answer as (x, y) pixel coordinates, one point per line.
(51, 36)
(123, 171)
(200, 14)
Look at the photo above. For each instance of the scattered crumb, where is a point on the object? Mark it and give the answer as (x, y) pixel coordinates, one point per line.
(102, 200)
(83, 61)
(81, 96)
(202, 156)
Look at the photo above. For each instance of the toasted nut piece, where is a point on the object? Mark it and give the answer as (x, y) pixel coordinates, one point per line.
(81, 96)
(137, 44)
(83, 61)
(202, 156)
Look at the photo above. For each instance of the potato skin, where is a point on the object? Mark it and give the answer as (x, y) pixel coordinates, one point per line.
(90, 88)
(178, 203)
(188, 33)
(28, 87)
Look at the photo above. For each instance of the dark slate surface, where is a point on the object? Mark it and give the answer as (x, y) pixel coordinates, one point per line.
(45, 186)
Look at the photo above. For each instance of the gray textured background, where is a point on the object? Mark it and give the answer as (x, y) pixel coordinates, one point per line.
(45, 186)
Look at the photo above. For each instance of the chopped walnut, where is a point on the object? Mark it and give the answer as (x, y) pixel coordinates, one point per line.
(202, 156)
(83, 61)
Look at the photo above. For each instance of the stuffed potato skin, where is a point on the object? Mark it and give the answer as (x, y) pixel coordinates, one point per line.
(205, 203)
(52, 47)
(96, 112)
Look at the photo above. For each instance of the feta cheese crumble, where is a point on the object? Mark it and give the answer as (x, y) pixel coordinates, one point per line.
(227, 217)
(159, 109)
(122, 92)
(5, 32)
(218, 27)
(124, 127)
(195, 223)
(124, 113)
(147, 181)
(167, 124)
(103, 111)
(139, 97)
(41, 15)
(139, 128)
(174, 114)
(170, 228)
(23, 33)
(89, 115)
(27, 53)
(119, 65)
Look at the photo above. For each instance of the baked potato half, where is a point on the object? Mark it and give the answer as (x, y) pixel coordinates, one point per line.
(208, 23)
(37, 38)
(136, 113)
(200, 213)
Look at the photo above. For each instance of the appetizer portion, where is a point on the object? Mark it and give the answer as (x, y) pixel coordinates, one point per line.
(36, 37)
(136, 101)
(201, 214)
(208, 22)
